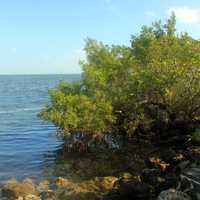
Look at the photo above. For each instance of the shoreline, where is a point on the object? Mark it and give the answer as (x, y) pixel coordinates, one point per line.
(154, 170)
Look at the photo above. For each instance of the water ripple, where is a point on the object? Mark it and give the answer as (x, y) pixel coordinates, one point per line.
(26, 142)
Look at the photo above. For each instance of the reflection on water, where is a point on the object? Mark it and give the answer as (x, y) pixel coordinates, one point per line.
(108, 162)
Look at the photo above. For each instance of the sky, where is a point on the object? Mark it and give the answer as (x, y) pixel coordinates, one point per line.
(48, 36)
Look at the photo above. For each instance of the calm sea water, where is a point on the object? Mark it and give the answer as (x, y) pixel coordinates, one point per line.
(27, 144)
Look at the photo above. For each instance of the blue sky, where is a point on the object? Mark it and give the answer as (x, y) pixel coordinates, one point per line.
(47, 36)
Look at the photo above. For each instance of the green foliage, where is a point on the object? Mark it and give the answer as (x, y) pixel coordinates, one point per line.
(171, 25)
(72, 110)
(125, 89)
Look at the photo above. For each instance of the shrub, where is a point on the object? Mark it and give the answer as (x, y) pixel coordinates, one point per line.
(155, 82)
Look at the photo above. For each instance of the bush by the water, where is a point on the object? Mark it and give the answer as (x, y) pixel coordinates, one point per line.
(152, 84)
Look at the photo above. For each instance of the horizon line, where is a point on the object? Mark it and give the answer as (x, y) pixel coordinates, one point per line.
(41, 74)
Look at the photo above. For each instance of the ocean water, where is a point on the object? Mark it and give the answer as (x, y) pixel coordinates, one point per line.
(27, 144)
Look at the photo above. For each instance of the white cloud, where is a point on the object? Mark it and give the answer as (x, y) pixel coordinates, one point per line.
(186, 14)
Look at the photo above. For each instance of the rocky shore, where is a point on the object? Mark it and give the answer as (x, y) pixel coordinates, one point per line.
(143, 176)
(60, 188)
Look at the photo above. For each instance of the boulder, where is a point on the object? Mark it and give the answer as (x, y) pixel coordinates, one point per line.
(173, 194)
(12, 189)
(181, 166)
(130, 190)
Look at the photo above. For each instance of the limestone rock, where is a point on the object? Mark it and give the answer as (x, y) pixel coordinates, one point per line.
(13, 189)
(32, 197)
(62, 182)
(154, 162)
(43, 186)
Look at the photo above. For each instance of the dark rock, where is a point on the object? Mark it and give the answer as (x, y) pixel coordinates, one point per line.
(192, 153)
(129, 190)
(168, 155)
(193, 174)
(48, 195)
(170, 181)
(151, 176)
(173, 194)
(179, 141)
(181, 166)
(181, 122)
(113, 195)
(134, 190)
(195, 141)
(157, 180)
(162, 121)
